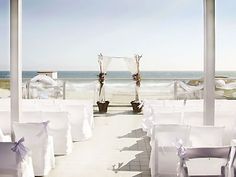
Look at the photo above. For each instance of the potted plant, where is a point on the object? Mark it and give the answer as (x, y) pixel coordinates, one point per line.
(137, 104)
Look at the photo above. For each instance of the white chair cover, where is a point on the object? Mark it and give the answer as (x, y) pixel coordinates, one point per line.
(163, 118)
(49, 107)
(14, 163)
(5, 122)
(193, 118)
(164, 159)
(59, 128)
(80, 123)
(167, 118)
(29, 105)
(87, 103)
(4, 138)
(5, 104)
(40, 144)
(206, 136)
(229, 122)
(31, 117)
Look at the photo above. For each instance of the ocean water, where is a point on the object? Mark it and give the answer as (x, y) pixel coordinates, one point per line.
(124, 74)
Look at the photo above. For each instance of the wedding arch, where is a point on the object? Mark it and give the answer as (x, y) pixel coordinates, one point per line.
(133, 67)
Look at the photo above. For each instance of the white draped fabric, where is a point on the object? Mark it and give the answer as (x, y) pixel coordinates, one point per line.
(104, 62)
(43, 86)
(220, 84)
(14, 163)
(60, 129)
(133, 67)
(4, 138)
(155, 111)
(44, 79)
(190, 88)
(40, 143)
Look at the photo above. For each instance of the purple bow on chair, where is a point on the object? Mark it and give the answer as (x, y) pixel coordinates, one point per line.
(181, 151)
(45, 128)
(20, 149)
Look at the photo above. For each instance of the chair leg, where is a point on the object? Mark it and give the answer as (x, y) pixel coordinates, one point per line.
(223, 171)
(185, 172)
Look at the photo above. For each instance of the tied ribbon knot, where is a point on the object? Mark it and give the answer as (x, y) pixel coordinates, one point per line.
(181, 151)
(45, 128)
(20, 149)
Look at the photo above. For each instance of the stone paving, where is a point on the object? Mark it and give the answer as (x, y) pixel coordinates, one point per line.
(118, 148)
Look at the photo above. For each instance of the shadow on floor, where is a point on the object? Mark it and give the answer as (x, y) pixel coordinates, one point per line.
(141, 161)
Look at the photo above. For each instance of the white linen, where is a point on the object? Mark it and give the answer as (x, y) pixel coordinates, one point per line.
(88, 104)
(80, 122)
(44, 79)
(40, 144)
(11, 165)
(31, 117)
(5, 122)
(4, 138)
(163, 160)
(206, 136)
(60, 129)
(193, 118)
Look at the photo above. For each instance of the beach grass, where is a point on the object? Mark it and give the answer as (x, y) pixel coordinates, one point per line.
(4, 84)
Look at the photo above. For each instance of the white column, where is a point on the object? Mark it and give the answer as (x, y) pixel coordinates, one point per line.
(209, 62)
(15, 59)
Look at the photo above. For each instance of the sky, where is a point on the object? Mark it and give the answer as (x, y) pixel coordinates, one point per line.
(69, 34)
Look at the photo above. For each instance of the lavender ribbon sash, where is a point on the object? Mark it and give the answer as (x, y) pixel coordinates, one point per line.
(20, 149)
(181, 152)
(45, 128)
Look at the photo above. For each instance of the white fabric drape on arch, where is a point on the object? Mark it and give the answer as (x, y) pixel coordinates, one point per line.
(103, 66)
(104, 62)
(133, 67)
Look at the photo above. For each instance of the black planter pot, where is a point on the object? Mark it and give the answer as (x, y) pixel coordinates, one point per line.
(136, 106)
(102, 106)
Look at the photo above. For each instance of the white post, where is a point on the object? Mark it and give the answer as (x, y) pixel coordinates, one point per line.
(209, 62)
(15, 60)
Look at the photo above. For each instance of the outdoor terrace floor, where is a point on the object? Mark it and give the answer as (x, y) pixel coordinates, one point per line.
(118, 148)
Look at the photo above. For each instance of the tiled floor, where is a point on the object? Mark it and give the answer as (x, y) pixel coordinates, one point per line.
(118, 148)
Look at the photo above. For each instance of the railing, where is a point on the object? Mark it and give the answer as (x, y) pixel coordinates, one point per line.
(76, 88)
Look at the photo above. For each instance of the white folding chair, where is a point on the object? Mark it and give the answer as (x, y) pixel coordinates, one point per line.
(189, 154)
(40, 143)
(60, 129)
(15, 160)
(164, 160)
(206, 136)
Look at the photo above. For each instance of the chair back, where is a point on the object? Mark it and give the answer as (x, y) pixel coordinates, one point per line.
(5, 121)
